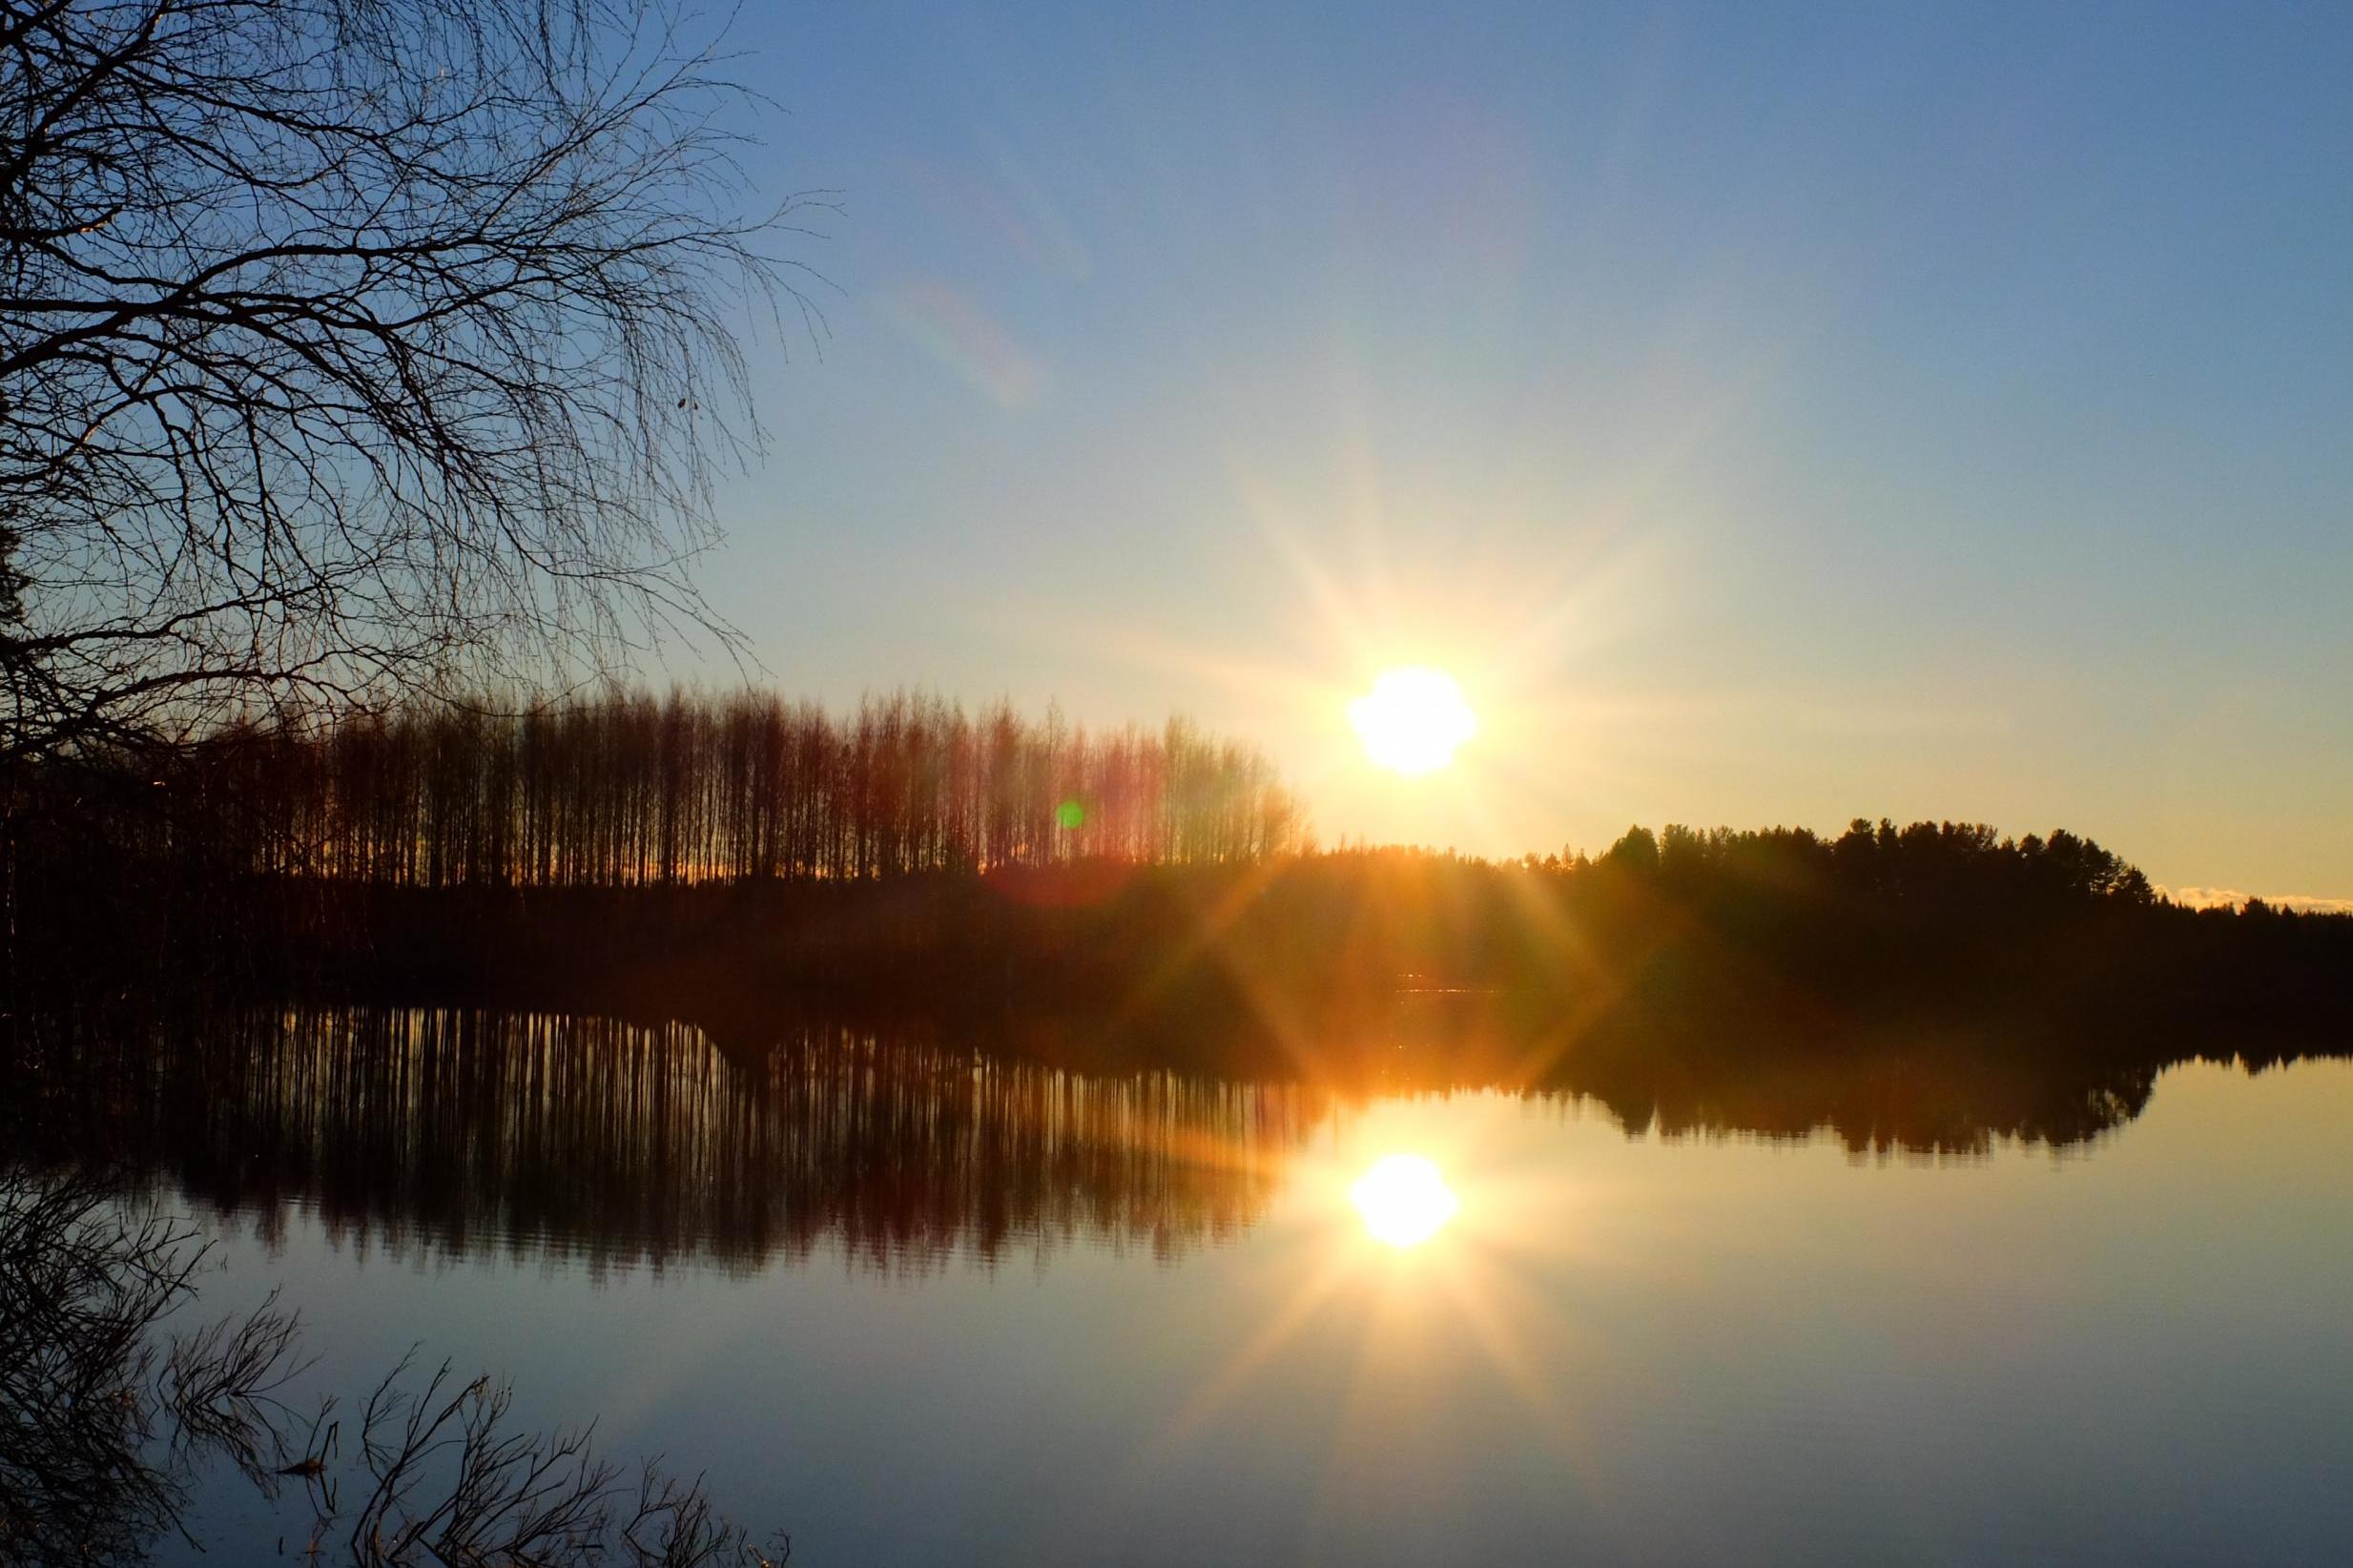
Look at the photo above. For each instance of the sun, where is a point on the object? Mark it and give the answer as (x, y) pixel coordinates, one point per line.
(1404, 1199)
(1412, 719)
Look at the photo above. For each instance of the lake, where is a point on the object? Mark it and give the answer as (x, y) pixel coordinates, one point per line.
(912, 1304)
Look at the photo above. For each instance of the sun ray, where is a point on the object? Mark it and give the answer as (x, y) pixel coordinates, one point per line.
(1252, 1353)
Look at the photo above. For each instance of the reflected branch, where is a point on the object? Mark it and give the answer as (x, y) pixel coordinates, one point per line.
(108, 1422)
(103, 1418)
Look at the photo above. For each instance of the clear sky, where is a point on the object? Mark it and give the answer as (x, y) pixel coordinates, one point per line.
(1769, 414)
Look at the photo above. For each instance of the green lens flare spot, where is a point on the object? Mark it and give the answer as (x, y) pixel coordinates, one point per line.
(1070, 814)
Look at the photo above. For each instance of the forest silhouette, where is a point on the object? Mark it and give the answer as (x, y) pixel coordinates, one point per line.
(727, 859)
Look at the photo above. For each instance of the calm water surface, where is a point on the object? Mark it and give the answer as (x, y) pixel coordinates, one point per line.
(914, 1308)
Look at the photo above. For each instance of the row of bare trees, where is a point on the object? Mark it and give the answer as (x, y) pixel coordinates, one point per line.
(634, 790)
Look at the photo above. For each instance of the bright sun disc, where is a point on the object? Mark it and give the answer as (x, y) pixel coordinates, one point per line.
(1404, 1199)
(1412, 719)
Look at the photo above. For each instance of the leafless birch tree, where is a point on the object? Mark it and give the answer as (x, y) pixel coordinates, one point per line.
(351, 346)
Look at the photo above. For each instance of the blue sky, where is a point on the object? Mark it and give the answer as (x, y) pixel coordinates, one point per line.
(1770, 413)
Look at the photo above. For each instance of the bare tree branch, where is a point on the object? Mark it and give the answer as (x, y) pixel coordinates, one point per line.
(355, 347)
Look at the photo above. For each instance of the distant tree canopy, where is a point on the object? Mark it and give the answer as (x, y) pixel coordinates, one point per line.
(354, 348)
(633, 790)
(1939, 863)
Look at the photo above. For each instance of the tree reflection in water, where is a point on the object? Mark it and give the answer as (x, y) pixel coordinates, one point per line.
(455, 1132)
(102, 1417)
(449, 1133)
(109, 1421)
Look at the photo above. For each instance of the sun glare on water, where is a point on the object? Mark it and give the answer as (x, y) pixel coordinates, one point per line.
(1412, 719)
(1404, 1199)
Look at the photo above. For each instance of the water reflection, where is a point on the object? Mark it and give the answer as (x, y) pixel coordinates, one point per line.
(449, 1132)
(1892, 1091)
(1601, 1318)
(1404, 1199)
(444, 1132)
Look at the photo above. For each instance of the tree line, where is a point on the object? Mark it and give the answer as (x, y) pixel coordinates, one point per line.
(1923, 862)
(631, 790)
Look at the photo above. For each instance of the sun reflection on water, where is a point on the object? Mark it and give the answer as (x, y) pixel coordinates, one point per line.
(1404, 1199)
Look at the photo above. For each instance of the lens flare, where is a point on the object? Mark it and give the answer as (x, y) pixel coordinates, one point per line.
(1412, 719)
(1404, 1199)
